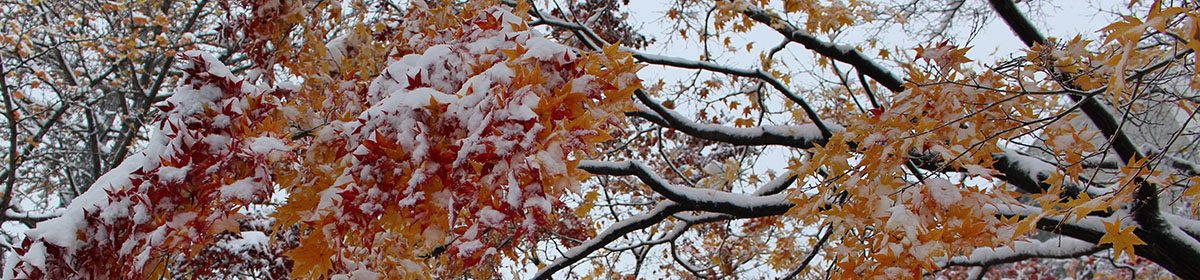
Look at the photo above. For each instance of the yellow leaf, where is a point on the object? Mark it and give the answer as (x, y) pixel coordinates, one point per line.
(522, 7)
(311, 259)
(589, 201)
(1194, 189)
(1121, 238)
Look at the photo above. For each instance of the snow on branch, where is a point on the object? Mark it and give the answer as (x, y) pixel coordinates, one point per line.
(1189, 226)
(758, 74)
(797, 136)
(739, 205)
(595, 41)
(677, 230)
(686, 221)
(693, 64)
(776, 185)
(661, 211)
(1088, 228)
(1028, 173)
(1104, 119)
(1167, 244)
(841, 53)
(1024, 171)
(30, 217)
(144, 209)
(1171, 247)
(1057, 248)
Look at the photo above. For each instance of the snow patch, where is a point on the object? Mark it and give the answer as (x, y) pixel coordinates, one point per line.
(942, 191)
(243, 190)
(490, 217)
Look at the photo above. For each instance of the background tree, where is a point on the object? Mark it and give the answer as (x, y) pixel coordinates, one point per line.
(370, 139)
(80, 78)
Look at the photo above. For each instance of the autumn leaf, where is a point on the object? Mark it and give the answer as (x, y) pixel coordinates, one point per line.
(1121, 238)
(312, 258)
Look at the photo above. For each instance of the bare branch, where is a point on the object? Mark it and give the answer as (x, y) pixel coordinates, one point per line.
(841, 53)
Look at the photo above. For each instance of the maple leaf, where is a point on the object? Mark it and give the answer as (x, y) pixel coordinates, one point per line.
(1122, 238)
(414, 81)
(312, 258)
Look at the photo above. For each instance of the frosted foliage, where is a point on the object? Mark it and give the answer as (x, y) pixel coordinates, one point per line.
(472, 134)
(502, 126)
(193, 139)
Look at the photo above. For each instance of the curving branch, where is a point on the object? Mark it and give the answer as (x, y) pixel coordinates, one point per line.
(797, 136)
(1168, 245)
(757, 74)
(811, 254)
(1100, 116)
(738, 205)
(594, 42)
(1022, 171)
(845, 54)
(661, 211)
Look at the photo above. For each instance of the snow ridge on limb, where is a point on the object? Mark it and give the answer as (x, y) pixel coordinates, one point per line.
(1063, 247)
(739, 205)
(800, 136)
(841, 53)
(1168, 243)
(1023, 171)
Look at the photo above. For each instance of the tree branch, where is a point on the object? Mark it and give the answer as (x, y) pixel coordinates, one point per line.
(845, 54)
(661, 211)
(738, 205)
(758, 74)
(800, 136)
(1060, 248)
(1100, 116)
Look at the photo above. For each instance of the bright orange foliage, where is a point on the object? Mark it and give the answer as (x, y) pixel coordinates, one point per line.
(453, 153)
(449, 139)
